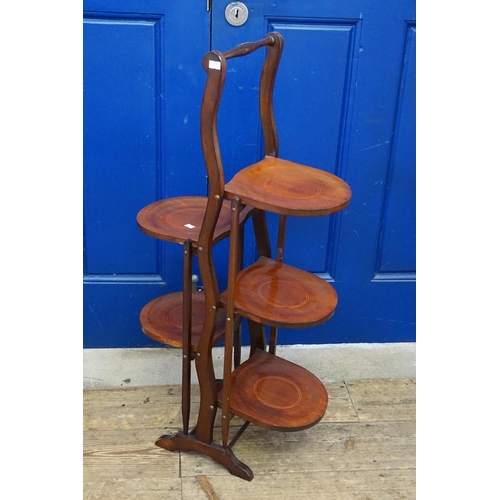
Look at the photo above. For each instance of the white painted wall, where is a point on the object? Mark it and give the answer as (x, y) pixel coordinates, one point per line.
(110, 368)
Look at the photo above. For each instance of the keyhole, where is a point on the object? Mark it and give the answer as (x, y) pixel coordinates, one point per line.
(236, 13)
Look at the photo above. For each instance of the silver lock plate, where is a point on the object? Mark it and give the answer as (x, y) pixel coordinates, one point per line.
(236, 13)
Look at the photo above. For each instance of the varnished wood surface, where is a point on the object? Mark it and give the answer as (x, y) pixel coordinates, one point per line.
(177, 219)
(266, 390)
(280, 295)
(268, 292)
(246, 48)
(220, 454)
(363, 448)
(161, 319)
(277, 394)
(289, 188)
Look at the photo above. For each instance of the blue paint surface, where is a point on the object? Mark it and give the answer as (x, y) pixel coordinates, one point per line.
(344, 102)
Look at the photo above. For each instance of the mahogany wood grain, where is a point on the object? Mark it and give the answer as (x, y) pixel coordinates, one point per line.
(280, 255)
(162, 319)
(265, 389)
(234, 261)
(179, 218)
(243, 49)
(223, 456)
(289, 188)
(187, 311)
(261, 232)
(277, 294)
(257, 336)
(276, 394)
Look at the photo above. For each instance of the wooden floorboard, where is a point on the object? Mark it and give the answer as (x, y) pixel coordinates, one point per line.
(364, 448)
(140, 489)
(126, 454)
(384, 400)
(349, 485)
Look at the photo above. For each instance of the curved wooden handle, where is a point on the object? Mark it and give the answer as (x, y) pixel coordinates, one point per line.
(248, 47)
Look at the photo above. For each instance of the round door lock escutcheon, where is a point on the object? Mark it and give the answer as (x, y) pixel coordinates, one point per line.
(236, 13)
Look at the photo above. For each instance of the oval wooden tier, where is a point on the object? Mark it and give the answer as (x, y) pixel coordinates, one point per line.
(161, 319)
(277, 294)
(177, 219)
(289, 188)
(276, 394)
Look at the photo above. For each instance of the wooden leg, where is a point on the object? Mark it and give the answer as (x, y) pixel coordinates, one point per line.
(208, 394)
(223, 456)
(261, 233)
(273, 339)
(237, 333)
(280, 254)
(257, 336)
(237, 347)
(234, 247)
(280, 251)
(186, 335)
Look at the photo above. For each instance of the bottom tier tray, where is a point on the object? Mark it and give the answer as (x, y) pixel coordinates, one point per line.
(276, 394)
(161, 319)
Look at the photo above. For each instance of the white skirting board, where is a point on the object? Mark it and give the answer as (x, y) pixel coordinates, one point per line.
(112, 368)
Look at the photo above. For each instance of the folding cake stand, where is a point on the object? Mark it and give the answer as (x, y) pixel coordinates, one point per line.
(265, 390)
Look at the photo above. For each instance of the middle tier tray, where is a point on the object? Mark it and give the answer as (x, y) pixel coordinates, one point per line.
(277, 294)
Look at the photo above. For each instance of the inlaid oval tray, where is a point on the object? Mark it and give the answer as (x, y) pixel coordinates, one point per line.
(289, 188)
(277, 394)
(161, 319)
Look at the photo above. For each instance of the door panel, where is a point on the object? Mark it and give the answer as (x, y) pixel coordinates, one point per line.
(398, 227)
(121, 67)
(143, 84)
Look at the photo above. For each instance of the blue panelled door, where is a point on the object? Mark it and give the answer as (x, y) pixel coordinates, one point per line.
(344, 102)
(143, 84)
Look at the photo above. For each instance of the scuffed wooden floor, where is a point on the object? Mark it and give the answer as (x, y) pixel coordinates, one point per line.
(364, 448)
